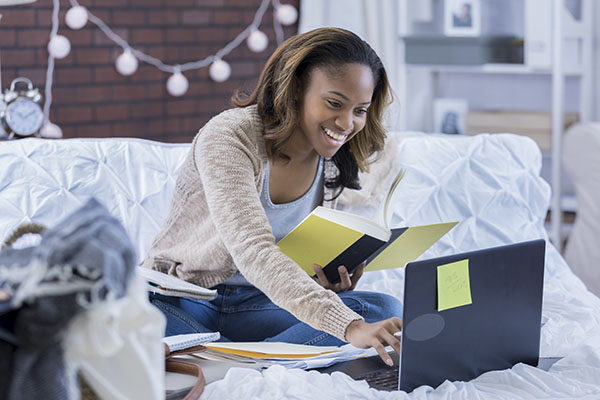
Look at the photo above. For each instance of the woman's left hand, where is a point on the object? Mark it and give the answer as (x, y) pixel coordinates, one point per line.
(347, 281)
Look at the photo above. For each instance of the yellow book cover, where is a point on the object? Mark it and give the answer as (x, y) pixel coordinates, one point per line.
(331, 238)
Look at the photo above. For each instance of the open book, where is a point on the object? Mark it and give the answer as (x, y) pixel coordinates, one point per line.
(172, 286)
(331, 238)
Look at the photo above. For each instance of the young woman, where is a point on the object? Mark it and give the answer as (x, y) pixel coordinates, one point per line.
(253, 173)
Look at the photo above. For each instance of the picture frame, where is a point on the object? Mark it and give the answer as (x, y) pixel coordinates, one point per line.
(462, 17)
(449, 116)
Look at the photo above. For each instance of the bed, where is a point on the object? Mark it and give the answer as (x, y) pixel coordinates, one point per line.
(491, 183)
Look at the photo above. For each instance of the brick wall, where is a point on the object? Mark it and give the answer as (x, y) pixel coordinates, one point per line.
(91, 99)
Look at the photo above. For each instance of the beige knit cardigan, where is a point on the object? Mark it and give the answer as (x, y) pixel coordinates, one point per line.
(217, 222)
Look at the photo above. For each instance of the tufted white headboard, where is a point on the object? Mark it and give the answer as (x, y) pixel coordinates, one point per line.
(45, 180)
(491, 183)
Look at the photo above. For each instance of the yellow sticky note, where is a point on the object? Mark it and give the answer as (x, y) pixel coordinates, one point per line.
(454, 288)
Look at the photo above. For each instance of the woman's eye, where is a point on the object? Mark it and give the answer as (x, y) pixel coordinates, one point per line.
(334, 104)
(361, 111)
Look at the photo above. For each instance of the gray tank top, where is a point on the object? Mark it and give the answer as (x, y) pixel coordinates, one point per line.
(284, 217)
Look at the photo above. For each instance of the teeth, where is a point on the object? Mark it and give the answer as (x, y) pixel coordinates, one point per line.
(333, 134)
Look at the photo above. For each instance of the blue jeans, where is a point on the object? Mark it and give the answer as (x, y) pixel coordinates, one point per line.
(245, 314)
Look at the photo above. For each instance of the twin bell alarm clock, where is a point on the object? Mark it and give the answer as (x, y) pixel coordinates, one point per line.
(20, 110)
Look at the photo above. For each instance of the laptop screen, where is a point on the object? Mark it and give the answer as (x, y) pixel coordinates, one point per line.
(470, 313)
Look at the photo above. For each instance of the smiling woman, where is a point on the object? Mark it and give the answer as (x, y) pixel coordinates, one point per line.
(254, 172)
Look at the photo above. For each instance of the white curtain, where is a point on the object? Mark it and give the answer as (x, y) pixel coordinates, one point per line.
(376, 21)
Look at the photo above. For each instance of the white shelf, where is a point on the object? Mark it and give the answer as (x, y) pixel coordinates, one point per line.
(556, 45)
(492, 69)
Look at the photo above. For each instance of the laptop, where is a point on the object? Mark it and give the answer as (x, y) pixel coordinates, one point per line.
(500, 328)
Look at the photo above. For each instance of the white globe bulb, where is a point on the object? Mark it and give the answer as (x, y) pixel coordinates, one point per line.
(76, 17)
(219, 71)
(51, 131)
(59, 46)
(257, 41)
(287, 14)
(177, 84)
(126, 63)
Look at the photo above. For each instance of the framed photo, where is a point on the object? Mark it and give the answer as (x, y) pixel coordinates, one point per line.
(462, 17)
(449, 116)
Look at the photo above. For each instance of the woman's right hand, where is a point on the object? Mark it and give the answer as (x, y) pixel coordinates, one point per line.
(378, 335)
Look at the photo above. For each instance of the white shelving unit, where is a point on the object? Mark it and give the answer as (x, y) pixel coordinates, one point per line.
(557, 57)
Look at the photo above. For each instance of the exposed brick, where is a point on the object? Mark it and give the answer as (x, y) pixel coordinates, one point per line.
(106, 75)
(193, 124)
(129, 92)
(146, 36)
(64, 95)
(163, 17)
(147, 109)
(129, 18)
(181, 35)
(146, 3)
(73, 75)
(111, 3)
(182, 107)
(182, 3)
(68, 114)
(94, 130)
(228, 17)
(81, 37)
(195, 17)
(37, 75)
(32, 37)
(18, 58)
(93, 94)
(92, 56)
(69, 131)
(18, 17)
(91, 99)
(111, 112)
(7, 37)
(156, 90)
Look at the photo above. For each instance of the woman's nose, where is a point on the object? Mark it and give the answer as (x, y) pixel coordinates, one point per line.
(344, 122)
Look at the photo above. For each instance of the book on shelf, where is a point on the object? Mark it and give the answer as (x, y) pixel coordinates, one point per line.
(169, 285)
(331, 238)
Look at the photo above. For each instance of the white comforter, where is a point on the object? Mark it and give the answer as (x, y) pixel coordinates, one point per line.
(490, 183)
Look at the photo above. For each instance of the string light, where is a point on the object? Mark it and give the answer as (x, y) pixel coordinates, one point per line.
(257, 41)
(76, 18)
(126, 63)
(177, 84)
(219, 71)
(51, 131)
(286, 14)
(59, 46)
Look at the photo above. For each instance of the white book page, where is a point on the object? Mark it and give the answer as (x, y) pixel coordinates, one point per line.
(171, 282)
(353, 221)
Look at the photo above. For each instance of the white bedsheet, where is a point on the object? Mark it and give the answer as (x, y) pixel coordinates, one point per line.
(490, 183)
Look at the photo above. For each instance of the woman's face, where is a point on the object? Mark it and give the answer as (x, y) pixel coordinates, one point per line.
(334, 107)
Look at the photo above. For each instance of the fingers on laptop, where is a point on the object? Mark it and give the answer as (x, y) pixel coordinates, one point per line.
(386, 337)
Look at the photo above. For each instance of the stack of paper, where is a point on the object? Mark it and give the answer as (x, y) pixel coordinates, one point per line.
(286, 354)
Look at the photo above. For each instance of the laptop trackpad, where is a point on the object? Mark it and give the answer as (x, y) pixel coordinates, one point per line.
(424, 327)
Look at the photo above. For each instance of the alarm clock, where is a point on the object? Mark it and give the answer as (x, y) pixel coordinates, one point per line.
(22, 114)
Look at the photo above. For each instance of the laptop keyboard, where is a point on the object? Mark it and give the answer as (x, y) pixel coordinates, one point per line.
(385, 379)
